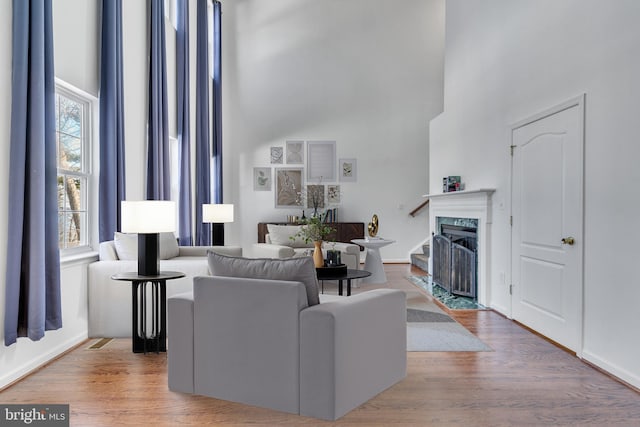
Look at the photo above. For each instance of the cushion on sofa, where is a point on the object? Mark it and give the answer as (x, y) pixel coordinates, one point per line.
(292, 269)
(126, 245)
(280, 235)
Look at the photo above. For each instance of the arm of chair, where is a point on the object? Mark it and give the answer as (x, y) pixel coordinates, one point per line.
(202, 250)
(350, 350)
(267, 250)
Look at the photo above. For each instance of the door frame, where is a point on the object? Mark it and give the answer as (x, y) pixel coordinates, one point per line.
(579, 102)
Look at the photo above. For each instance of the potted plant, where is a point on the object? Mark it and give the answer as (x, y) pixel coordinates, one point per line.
(314, 230)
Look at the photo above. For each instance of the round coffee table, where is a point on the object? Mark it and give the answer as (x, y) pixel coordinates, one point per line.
(348, 276)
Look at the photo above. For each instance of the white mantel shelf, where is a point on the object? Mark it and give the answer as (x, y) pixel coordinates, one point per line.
(459, 193)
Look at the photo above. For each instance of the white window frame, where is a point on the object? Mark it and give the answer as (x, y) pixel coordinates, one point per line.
(89, 163)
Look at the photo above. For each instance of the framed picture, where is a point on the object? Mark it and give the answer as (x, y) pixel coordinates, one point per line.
(321, 160)
(348, 170)
(262, 179)
(276, 155)
(333, 194)
(315, 196)
(288, 187)
(295, 152)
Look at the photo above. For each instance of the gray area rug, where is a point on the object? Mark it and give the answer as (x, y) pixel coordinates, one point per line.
(429, 328)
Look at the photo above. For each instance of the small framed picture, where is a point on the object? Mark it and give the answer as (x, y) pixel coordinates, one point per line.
(333, 194)
(288, 187)
(262, 179)
(348, 170)
(295, 152)
(276, 155)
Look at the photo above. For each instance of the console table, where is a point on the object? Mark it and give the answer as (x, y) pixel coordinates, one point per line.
(344, 231)
(156, 338)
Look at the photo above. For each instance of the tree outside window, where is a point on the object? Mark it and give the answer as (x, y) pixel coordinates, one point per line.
(72, 135)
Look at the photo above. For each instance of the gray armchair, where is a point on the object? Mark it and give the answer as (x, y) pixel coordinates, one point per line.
(257, 341)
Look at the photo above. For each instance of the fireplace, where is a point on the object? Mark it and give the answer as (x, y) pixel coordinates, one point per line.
(455, 266)
(468, 208)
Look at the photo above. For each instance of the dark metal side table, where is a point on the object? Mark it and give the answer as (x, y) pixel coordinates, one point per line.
(143, 339)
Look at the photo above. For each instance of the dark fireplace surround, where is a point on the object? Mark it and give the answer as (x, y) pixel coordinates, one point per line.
(455, 255)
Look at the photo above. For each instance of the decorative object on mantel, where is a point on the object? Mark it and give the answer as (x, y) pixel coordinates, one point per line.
(452, 183)
(372, 228)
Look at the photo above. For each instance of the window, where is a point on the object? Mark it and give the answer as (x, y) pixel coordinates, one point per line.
(73, 140)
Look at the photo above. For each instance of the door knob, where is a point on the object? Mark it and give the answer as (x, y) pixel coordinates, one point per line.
(568, 241)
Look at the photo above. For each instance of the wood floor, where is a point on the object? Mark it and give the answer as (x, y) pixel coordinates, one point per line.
(526, 381)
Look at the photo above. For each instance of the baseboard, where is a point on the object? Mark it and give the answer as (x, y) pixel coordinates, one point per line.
(15, 375)
(611, 369)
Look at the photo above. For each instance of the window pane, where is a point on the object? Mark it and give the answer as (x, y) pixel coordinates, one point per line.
(70, 117)
(60, 192)
(70, 155)
(74, 226)
(74, 194)
(61, 232)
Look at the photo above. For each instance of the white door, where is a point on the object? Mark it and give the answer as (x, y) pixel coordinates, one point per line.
(547, 209)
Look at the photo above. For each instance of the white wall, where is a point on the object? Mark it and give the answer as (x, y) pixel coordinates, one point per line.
(365, 73)
(75, 59)
(509, 59)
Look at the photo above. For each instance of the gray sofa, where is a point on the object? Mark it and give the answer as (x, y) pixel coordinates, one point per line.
(258, 341)
(110, 300)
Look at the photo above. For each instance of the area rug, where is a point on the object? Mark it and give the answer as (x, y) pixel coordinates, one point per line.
(454, 302)
(429, 328)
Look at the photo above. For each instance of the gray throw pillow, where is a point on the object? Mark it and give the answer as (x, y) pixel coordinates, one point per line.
(293, 269)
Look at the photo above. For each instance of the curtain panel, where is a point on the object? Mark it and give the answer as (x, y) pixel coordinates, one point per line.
(184, 119)
(112, 155)
(158, 166)
(203, 153)
(33, 303)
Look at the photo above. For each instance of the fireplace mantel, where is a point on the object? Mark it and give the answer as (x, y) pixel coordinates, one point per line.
(468, 204)
(487, 191)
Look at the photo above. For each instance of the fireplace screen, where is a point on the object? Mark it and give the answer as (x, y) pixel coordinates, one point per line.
(454, 260)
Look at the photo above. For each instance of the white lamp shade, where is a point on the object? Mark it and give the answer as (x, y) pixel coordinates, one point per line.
(217, 213)
(148, 216)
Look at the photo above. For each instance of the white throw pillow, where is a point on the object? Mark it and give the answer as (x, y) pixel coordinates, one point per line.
(280, 235)
(168, 246)
(293, 269)
(126, 245)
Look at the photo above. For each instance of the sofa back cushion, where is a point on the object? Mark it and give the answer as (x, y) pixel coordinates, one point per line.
(280, 235)
(292, 269)
(126, 245)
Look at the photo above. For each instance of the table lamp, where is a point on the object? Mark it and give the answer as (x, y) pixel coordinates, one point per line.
(148, 218)
(217, 214)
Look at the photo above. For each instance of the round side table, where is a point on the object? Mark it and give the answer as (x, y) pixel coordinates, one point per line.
(142, 338)
(373, 261)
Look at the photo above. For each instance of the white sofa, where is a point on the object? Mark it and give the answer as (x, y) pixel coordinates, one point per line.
(262, 339)
(110, 300)
(279, 245)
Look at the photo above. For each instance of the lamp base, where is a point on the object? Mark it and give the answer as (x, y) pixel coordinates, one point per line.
(217, 234)
(148, 264)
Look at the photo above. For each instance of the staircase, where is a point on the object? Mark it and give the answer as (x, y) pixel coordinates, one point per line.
(421, 260)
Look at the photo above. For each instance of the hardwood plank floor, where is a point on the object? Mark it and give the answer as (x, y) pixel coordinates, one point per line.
(525, 381)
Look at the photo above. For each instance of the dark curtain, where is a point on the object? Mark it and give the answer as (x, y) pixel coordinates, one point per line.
(203, 174)
(33, 261)
(184, 134)
(158, 169)
(218, 229)
(112, 171)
